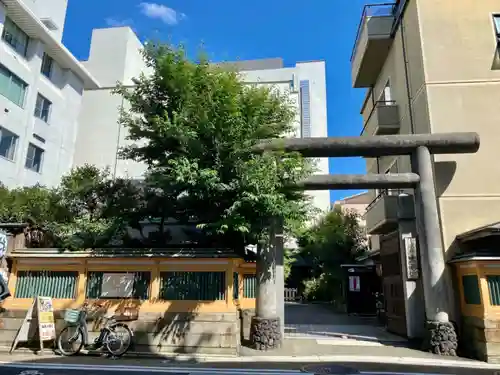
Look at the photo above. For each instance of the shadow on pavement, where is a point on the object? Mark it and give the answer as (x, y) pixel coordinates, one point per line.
(80, 365)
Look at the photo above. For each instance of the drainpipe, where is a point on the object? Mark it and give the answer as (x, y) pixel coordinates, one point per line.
(407, 78)
(117, 143)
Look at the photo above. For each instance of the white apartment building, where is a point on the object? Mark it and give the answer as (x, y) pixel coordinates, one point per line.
(41, 88)
(115, 56)
(57, 112)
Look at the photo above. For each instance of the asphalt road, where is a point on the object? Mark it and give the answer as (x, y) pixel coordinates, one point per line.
(35, 368)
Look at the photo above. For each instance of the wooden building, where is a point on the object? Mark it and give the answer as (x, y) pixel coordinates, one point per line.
(186, 300)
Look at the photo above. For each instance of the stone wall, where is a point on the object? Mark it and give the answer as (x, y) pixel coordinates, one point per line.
(186, 333)
(480, 339)
(245, 323)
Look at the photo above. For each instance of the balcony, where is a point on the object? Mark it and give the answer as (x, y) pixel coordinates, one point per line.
(383, 214)
(373, 41)
(383, 119)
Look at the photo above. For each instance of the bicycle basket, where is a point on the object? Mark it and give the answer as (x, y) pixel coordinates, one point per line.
(71, 316)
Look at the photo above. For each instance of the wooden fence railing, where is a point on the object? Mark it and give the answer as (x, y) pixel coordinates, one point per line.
(291, 294)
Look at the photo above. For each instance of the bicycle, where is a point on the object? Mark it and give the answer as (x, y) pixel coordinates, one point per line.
(77, 320)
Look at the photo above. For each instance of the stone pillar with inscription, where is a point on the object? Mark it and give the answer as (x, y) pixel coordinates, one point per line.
(412, 288)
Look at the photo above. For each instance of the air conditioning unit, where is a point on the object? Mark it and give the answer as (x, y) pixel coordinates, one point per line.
(49, 24)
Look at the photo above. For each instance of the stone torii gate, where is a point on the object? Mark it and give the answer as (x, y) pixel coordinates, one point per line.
(267, 328)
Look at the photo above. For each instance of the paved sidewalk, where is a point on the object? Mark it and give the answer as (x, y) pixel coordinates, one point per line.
(290, 353)
(320, 322)
(312, 347)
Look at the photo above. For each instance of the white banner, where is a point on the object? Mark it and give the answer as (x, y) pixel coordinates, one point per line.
(354, 284)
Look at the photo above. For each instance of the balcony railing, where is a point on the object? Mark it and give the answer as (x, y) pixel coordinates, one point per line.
(377, 104)
(372, 10)
(384, 212)
(382, 193)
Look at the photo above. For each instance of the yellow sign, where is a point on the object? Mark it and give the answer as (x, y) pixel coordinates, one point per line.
(39, 319)
(46, 323)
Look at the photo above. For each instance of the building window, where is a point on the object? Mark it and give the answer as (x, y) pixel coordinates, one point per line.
(42, 108)
(8, 143)
(494, 289)
(470, 284)
(12, 87)
(15, 37)
(496, 22)
(236, 285)
(386, 95)
(249, 286)
(54, 284)
(305, 109)
(47, 64)
(193, 286)
(34, 158)
(112, 285)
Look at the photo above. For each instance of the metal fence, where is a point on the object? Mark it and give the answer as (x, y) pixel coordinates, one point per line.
(291, 294)
(55, 284)
(195, 286)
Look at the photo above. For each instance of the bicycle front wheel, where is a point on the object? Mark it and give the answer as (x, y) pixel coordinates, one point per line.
(118, 340)
(70, 340)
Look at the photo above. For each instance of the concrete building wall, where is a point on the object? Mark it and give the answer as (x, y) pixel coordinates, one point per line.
(115, 56)
(444, 68)
(462, 73)
(356, 203)
(404, 80)
(288, 80)
(452, 78)
(50, 12)
(56, 136)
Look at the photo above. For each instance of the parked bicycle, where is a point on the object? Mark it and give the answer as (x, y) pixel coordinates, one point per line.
(115, 336)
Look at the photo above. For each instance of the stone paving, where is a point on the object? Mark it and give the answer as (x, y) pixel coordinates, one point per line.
(319, 322)
(313, 347)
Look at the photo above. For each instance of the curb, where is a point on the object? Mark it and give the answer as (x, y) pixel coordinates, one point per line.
(52, 353)
(415, 361)
(428, 362)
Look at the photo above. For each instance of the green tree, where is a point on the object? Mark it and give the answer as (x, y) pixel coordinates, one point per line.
(98, 209)
(87, 209)
(290, 255)
(27, 204)
(193, 124)
(335, 239)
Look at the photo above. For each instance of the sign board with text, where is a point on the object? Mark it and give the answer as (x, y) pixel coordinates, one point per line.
(117, 285)
(39, 323)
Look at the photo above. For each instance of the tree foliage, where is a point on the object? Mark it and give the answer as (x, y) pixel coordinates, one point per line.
(335, 239)
(87, 209)
(193, 125)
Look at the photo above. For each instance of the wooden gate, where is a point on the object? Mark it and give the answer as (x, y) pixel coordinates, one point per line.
(390, 257)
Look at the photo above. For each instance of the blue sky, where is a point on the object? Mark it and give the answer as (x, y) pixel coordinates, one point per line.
(295, 30)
